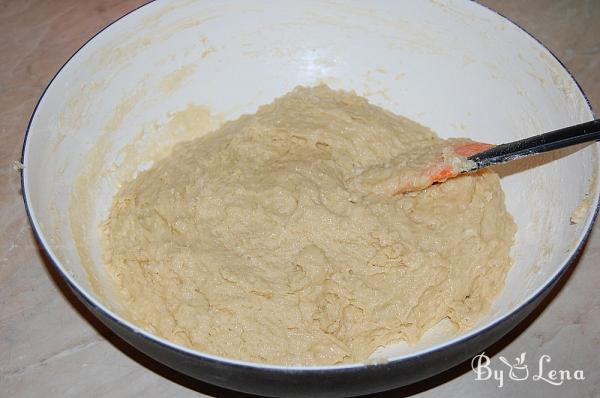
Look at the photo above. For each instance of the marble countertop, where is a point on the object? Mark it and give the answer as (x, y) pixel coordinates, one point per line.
(51, 346)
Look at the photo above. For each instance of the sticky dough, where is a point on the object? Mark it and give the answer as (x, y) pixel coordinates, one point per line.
(263, 241)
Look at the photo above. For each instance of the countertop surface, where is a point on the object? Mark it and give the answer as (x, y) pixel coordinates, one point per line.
(51, 346)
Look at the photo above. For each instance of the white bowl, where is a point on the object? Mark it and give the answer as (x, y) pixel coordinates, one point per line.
(454, 66)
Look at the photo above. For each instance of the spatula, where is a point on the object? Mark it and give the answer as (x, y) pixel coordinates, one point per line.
(477, 155)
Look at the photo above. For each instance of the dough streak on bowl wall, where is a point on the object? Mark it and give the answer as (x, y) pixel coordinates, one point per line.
(259, 241)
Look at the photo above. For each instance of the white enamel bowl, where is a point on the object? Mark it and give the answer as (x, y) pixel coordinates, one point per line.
(455, 66)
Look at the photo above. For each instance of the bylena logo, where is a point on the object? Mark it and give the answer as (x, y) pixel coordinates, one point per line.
(519, 370)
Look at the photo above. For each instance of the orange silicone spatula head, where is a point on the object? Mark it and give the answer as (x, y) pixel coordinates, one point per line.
(448, 166)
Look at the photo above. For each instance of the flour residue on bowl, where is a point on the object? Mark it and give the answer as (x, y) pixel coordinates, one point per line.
(253, 243)
(585, 205)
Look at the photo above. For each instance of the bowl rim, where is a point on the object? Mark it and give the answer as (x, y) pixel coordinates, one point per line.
(95, 304)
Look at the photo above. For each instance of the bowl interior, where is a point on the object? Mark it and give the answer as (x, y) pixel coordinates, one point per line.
(455, 66)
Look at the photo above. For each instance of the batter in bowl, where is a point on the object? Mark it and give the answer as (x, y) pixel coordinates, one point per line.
(278, 238)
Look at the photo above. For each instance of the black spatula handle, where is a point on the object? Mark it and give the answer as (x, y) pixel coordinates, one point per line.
(567, 136)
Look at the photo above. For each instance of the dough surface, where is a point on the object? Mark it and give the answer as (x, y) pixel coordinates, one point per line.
(278, 239)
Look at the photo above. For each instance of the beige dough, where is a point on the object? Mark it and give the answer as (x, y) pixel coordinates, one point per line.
(277, 238)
